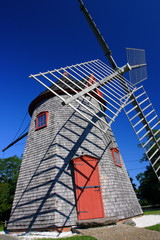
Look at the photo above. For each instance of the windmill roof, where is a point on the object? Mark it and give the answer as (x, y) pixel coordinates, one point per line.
(47, 93)
(64, 86)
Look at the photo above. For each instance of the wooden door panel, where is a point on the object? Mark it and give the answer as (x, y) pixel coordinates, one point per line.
(88, 188)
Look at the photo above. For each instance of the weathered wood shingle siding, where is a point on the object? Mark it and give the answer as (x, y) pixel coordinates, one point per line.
(45, 196)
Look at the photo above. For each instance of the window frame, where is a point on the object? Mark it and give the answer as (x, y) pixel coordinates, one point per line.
(39, 115)
(113, 150)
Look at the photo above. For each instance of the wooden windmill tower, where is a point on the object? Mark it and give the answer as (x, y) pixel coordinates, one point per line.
(72, 168)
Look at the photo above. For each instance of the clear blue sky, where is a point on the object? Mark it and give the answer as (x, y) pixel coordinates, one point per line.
(41, 35)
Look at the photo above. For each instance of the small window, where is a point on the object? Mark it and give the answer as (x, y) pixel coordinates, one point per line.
(41, 120)
(116, 157)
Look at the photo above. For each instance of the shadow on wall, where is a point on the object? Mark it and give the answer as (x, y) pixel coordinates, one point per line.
(44, 206)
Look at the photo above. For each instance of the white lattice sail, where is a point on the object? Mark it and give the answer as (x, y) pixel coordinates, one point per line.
(89, 81)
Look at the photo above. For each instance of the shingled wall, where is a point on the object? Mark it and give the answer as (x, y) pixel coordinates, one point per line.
(45, 196)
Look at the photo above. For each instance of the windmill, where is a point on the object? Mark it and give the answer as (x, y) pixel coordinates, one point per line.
(72, 168)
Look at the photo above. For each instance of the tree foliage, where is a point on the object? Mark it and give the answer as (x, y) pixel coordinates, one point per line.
(149, 188)
(133, 185)
(9, 169)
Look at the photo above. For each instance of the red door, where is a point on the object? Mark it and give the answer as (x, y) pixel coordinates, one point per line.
(88, 188)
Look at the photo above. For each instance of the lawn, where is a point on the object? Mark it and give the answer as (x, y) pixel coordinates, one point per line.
(154, 212)
(155, 227)
(71, 238)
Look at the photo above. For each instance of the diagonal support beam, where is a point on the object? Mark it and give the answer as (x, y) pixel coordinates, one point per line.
(17, 140)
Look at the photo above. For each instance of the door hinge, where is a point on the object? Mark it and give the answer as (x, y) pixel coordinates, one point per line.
(78, 164)
(83, 187)
(82, 212)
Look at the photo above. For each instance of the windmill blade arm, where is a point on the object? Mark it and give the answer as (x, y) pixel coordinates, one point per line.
(17, 140)
(138, 65)
(98, 35)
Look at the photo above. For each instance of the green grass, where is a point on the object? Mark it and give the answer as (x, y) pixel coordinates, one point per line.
(155, 227)
(155, 212)
(70, 238)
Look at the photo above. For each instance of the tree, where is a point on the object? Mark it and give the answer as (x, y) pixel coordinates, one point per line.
(149, 188)
(133, 184)
(9, 169)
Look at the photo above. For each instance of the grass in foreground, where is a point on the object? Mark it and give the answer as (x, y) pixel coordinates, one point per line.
(155, 212)
(71, 238)
(155, 227)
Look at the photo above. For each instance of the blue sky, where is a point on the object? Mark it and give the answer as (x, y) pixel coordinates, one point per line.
(42, 35)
